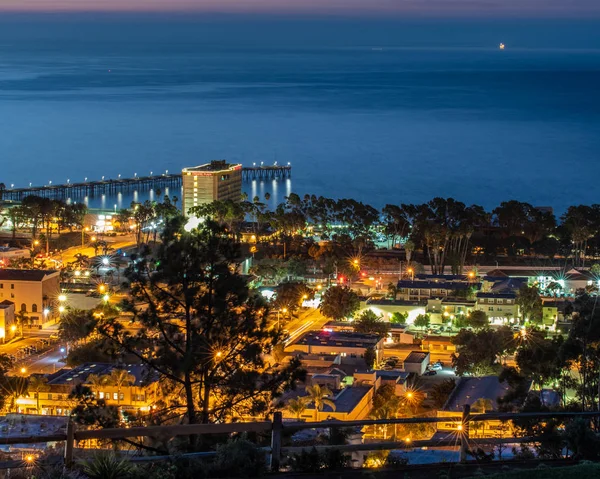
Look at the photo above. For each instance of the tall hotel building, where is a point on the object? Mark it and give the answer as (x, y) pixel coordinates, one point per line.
(217, 180)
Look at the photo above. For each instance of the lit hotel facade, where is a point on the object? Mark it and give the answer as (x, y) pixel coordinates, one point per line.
(217, 180)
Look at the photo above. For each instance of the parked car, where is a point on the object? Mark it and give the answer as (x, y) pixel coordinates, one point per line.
(430, 373)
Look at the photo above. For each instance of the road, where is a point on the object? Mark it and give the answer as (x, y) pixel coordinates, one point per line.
(307, 320)
(118, 242)
(47, 361)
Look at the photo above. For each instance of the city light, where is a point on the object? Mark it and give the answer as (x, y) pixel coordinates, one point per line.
(13, 328)
(46, 312)
(106, 297)
(23, 370)
(102, 288)
(105, 261)
(61, 309)
(62, 298)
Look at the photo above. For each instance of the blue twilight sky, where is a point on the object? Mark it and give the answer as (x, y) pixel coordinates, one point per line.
(528, 8)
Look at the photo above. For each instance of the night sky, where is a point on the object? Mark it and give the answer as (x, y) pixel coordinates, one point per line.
(445, 8)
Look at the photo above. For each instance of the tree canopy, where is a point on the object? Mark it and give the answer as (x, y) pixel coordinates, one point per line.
(339, 302)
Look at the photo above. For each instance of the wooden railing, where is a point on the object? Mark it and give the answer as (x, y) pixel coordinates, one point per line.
(276, 427)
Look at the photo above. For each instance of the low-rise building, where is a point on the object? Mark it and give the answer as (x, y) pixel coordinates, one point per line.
(387, 307)
(423, 290)
(53, 397)
(416, 362)
(501, 308)
(342, 343)
(435, 343)
(481, 393)
(445, 310)
(33, 291)
(7, 320)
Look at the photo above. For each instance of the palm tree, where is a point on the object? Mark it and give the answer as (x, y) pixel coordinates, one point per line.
(297, 406)
(16, 387)
(120, 378)
(482, 405)
(393, 291)
(318, 396)
(38, 384)
(96, 382)
(409, 247)
(22, 318)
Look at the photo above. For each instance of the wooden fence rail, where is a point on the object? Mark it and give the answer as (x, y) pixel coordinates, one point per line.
(277, 426)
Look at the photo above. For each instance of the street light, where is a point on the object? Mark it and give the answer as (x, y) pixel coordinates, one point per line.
(23, 370)
(106, 297)
(412, 273)
(61, 309)
(62, 298)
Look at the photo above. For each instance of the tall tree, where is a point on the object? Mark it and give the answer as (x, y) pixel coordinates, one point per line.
(202, 329)
(37, 384)
(530, 304)
(319, 397)
(339, 302)
(120, 378)
(297, 406)
(369, 323)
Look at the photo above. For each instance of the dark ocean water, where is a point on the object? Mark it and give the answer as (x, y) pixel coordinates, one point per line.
(378, 116)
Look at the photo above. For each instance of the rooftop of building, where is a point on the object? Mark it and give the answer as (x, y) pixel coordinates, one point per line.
(345, 399)
(26, 274)
(470, 389)
(339, 338)
(507, 284)
(80, 374)
(416, 357)
(461, 301)
(450, 285)
(397, 302)
(503, 295)
(6, 304)
(214, 166)
(441, 277)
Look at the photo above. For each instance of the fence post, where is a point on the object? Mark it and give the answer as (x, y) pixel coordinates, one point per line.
(464, 433)
(69, 444)
(276, 441)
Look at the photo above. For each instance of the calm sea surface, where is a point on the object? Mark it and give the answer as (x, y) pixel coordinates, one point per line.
(377, 117)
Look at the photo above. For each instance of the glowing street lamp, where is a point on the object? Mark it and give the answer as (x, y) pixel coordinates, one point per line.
(61, 309)
(412, 273)
(106, 298)
(23, 370)
(62, 298)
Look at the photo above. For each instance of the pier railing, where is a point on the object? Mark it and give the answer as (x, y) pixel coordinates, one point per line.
(94, 188)
(277, 426)
(112, 186)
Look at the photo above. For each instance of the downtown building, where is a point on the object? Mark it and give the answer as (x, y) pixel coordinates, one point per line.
(217, 180)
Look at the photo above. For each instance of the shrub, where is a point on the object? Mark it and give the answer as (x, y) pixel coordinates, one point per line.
(108, 466)
(239, 458)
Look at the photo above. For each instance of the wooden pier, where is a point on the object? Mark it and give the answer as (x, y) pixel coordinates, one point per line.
(113, 186)
(109, 187)
(274, 172)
